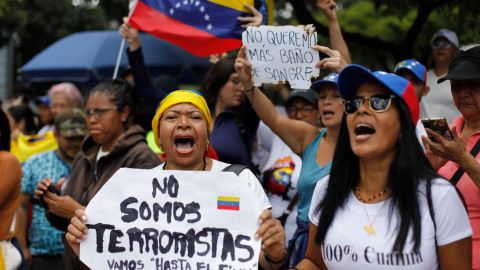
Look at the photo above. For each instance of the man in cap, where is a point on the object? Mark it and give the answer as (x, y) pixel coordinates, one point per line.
(438, 102)
(45, 242)
(416, 73)
(459, 158)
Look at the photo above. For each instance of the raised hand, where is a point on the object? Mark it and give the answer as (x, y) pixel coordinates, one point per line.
(256, 20)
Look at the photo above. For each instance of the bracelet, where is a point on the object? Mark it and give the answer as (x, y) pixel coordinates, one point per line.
(268, 259)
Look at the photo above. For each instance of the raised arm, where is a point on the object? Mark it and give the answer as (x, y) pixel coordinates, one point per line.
(296, 134)
(141, 75)
(337, 42)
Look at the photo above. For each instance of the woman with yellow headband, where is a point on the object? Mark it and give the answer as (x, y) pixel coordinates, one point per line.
(182, 127)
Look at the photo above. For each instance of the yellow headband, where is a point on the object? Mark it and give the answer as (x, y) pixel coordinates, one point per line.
(177, 97)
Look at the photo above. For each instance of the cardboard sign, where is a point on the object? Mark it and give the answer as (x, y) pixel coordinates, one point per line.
(168, 220)
(282, 53)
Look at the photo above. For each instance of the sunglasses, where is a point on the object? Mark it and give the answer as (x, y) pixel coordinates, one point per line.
(442, 44)
(378, 103)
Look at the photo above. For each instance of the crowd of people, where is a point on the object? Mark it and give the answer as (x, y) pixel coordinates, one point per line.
(345, 166)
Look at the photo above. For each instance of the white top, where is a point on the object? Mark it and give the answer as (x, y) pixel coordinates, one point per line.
(439, 101)
(246, 175)
(420, 132)
(347, 245)
(280, 160)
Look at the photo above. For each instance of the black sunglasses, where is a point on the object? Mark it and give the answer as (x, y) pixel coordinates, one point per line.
(378, 103)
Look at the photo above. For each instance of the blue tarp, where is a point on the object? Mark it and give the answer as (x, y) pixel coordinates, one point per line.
(88, 57)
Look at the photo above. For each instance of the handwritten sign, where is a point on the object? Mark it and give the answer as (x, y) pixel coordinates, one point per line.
(168, 220)
(282, 53)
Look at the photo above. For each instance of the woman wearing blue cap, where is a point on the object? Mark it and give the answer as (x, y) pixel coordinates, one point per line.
(383, 206)
(314, 145)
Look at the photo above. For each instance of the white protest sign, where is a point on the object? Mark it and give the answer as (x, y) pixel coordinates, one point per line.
(167, 220)
(282, 53)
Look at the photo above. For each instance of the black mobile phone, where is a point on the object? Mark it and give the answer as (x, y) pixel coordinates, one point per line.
(439, 125)
(52, 188)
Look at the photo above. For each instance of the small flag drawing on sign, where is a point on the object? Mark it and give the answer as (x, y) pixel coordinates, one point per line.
(228, 203)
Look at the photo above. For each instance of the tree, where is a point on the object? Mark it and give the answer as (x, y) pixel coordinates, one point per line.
(380, 33)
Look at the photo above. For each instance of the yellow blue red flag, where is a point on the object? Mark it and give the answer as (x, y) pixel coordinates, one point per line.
(202, 27)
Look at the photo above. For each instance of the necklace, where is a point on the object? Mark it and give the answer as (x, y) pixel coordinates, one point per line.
(369, 226)
(203, 167)
(358, 193)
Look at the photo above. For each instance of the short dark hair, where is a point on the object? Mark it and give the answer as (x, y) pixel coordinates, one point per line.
(118, 91)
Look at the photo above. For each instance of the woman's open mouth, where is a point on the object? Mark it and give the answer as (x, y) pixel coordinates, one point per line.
(363, 131)
(184, 144)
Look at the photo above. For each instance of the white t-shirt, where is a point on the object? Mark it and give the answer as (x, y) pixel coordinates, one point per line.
(347, 245)
(246, 175)
(281, 159)
(439, 101)
(420, 132)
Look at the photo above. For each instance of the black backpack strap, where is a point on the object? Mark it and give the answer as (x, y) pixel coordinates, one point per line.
(459, 173)
(236, 168)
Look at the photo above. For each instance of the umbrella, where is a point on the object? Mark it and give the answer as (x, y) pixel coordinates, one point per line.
(86, 58)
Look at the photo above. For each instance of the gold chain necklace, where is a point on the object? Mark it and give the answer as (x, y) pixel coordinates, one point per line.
(369, 226)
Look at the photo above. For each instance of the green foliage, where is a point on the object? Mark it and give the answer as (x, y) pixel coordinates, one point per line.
(12, 17)
(389, 22)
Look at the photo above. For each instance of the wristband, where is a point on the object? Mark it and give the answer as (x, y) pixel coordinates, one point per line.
(287, 212)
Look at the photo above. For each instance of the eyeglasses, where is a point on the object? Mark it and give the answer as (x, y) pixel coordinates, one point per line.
(98, 112)
(378, 103)
(442, 44)
(305, 110)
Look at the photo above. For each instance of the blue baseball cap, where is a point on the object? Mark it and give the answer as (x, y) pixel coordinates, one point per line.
(331, 78)
(352, 76)
(45, 100)
(414, 67)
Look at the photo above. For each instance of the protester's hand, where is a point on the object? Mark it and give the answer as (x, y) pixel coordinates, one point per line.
(328, 8)
(256, 20)
(130, 34)
(77, 230)
(335, 62)
(273, 236)
(436, 161)
(42, 187)
(243, 67)
(62, 206)
(214, 58)
(28, 257)
(453, 149)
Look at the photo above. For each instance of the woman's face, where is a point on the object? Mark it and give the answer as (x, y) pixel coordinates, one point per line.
(231, 94)
(183, 135)
(330, 106)
(466, 96)
(373, 135)
(104, 120)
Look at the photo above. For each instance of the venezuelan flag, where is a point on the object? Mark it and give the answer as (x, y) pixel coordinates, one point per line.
(202, 27)
(228, 203)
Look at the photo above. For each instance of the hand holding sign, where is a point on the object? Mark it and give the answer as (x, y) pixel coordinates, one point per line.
(335, 62)
(282, 53)
(154, 219)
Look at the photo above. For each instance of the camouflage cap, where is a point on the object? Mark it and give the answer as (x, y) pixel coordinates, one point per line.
(71, 123)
